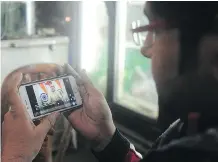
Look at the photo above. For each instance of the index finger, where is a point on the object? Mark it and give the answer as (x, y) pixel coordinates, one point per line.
(32, 69)
(37, 68)
(81, 77)
(69, 70)
(46, 124)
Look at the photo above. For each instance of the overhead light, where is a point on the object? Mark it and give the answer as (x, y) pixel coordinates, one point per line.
(67, 19)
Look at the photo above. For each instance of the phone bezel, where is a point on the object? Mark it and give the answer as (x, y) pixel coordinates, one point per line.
(26, 101)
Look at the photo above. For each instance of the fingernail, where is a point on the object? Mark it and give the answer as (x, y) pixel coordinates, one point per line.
(32, 66)
(56, 114)
(60, 70)
(54, 74)
(84, 71)
(18, 76)
(27, 77)
(66, 68)
(66, 65)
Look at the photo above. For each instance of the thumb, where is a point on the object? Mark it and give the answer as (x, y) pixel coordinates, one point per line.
(46, 124)
(86, 86)
(86, 80)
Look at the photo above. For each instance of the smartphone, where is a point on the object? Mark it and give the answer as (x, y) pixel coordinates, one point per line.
(46, 96)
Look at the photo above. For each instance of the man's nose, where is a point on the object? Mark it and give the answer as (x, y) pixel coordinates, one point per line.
(146, 50)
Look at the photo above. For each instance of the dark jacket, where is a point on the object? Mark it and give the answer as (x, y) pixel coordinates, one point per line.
(176, 144)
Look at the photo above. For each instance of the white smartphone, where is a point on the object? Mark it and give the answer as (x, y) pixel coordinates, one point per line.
(46, 96)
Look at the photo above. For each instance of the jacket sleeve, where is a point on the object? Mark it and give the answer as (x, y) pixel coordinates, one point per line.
(118, 150)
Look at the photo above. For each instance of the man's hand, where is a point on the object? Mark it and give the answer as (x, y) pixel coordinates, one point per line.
(21, 139)
(94, 119)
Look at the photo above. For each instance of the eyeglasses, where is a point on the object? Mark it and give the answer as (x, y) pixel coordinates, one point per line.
(145, 35)
(138, 37)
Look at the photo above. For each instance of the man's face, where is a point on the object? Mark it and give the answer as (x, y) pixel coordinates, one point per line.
(162, 47)
(163, 50)
(180, 94)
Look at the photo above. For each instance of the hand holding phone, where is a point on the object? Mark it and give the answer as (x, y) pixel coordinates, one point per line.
(50, 95)
(21, 139)
(30, 73)
(94, 120)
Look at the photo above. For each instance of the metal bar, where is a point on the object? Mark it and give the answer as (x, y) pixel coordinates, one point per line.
(111, 6)
(30, 18)
(26, 43)
(74, 56)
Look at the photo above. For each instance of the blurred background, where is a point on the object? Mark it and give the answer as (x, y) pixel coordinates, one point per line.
(93, 35)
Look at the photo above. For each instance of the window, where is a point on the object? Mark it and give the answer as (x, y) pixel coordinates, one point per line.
(13, 22)
(134, 85)
(28, 37)
(38, 32)
(94, 41)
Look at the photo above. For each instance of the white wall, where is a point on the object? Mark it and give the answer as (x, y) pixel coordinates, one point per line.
(32, 51)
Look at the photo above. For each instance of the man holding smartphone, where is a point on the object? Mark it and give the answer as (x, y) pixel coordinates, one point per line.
(185, 70)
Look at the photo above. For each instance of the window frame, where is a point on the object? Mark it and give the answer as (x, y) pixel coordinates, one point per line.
(121, 114)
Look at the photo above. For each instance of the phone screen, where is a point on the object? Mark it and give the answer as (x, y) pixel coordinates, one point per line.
(52, 95)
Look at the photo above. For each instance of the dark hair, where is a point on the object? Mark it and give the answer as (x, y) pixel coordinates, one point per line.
(189, 91)
(193, 93)
(194, 20)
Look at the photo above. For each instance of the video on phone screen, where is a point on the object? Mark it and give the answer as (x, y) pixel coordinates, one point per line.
(49, 96)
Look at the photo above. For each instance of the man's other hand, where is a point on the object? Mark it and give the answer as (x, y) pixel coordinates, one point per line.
(94, 119)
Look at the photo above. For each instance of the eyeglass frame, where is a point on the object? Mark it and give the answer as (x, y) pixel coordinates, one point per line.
(152, 27)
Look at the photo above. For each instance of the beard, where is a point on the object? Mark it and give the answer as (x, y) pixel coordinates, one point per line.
(185, 94)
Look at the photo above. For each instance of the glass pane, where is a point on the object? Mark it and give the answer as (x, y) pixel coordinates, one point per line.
(13, 22)
(34, 32)
(135, 88)
(94, 42)
(134, 13)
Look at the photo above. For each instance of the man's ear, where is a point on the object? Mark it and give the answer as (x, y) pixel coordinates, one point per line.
(208, 58)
